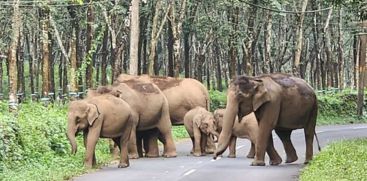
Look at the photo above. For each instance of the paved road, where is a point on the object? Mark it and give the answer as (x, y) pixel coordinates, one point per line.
(186, 167)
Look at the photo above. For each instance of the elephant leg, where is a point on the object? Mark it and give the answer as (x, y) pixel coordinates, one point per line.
(152, 144)
(85, 135)
(251, 153)
(113, 149)
(193, 145)
(139, 143)
(309, 131)
(132, 145)
(232, 147)
(197, 142)
(210, 146)
(92, 138)
(123, 143)
(275, 159)
(203, 144)
(285, 136)
(165, 128)
(262, 142)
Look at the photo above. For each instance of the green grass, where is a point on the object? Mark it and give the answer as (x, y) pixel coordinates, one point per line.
(345, 160)
(179, 132)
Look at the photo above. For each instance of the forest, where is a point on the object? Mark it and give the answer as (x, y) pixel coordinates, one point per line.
(57, 49)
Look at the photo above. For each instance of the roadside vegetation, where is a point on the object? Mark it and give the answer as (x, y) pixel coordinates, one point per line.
(33, 141)
(345, 160)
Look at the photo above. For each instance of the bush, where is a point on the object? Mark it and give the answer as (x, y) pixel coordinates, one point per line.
(217, 99)
(345, 160)
(33, 142)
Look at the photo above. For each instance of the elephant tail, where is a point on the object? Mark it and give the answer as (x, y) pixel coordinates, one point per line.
(318, 143)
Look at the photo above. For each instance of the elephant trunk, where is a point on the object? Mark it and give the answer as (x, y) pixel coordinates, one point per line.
(228, 122)
(71, 136)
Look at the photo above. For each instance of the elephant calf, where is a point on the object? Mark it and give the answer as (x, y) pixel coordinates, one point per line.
(246, 128)
(200, 124)
(104, 116)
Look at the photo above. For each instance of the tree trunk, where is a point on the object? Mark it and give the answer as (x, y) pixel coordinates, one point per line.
(44, 11)
(73, 50)
(89, 60)
(12, 59)
(233, 19)
(218, 65)
(267, 43)
(170, 51)
(20, 65)
(104, 58)
(362, 70)
(299, 37)
(249, 41)
(342, 82)
(134, 37)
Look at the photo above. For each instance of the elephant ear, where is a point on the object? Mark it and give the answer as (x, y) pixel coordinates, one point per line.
(261, 95)
(197, 120)
(93, 113)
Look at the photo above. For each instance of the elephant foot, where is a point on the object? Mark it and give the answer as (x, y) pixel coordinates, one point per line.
(197, 154)
(307, 161)
(291, 159)
(275, 162)
(170, 154)
(123, 165)
(231, 156)
(209, 151)
(250, 155)
(258, 163)
(152, 155)
(133, 156)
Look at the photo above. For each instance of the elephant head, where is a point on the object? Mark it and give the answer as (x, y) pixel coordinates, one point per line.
(207, 125)
(245, 95)
(81, 115)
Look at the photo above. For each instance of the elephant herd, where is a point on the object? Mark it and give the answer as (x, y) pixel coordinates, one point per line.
(137, 111)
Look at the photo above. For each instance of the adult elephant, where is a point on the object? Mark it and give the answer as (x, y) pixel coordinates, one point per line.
(104, 116)
(151, 107)
(183, 94)
(279, 101)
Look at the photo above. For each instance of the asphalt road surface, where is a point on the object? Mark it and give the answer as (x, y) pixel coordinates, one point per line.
(186, 167)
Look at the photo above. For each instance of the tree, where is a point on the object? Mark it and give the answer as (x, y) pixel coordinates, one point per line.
(134, 37)
(12, 59)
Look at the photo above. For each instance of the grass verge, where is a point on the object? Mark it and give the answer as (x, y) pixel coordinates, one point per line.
(345, 160)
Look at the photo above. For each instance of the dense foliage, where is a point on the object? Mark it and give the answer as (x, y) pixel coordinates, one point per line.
(344, 160)
(33, 142)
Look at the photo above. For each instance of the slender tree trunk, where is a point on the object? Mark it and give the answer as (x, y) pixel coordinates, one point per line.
(12, 59)
(233, 18)
(267, 43)
(89, 60)
(249, 41)
(218, 66)
(170, 50)
(104, 58)
(134, 37)
(355, 59)
(45, 51)
(51, 64)
(187, 54)
(362, 70)
(20, 64)
(299, 42)
(341, 52)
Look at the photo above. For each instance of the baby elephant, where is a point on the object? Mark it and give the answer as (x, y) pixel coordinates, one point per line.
(200, 124)
(247, 128)
(103, 116)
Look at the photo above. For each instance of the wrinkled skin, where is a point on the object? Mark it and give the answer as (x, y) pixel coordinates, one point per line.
(200, 124)
(246, 128)
(183, 94)
(103, 116)
(150, 106)
(280, 102)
